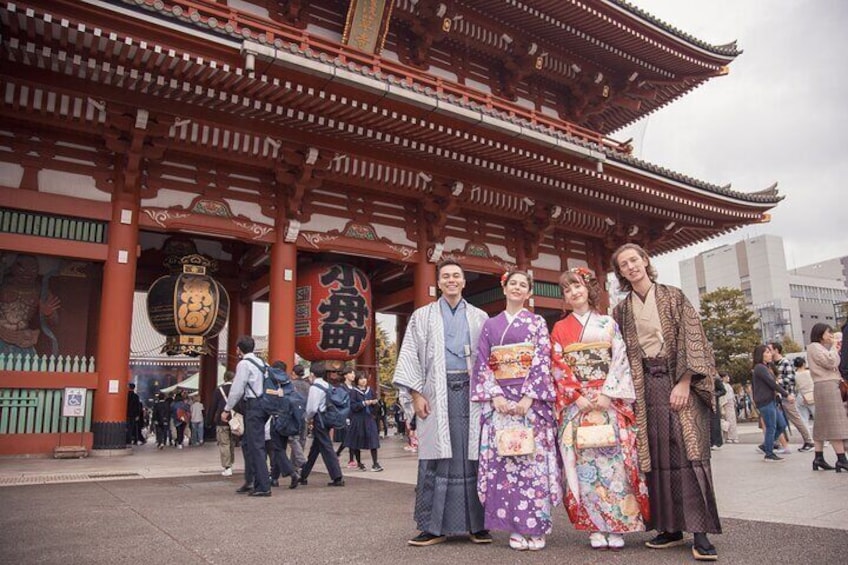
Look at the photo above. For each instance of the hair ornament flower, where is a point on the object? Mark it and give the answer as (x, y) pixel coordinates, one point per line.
(584, 273)
(504, 278)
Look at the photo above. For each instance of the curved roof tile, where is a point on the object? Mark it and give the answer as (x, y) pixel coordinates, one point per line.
(728, 49)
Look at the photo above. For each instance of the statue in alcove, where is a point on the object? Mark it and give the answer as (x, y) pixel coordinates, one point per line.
(28, 309)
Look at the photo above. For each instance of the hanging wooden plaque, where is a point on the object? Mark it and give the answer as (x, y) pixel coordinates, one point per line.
(367, 24)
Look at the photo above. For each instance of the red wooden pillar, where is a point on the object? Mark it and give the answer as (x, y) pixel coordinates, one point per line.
(209, 373)
(116, 310)
(283, 283)
(240, 323)
(425, 281)
(367, 360)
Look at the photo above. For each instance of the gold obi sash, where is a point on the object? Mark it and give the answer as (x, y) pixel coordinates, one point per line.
(511, 363)
(588, 361)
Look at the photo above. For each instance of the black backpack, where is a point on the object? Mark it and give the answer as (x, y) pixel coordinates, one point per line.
(289, 421)
(281, 401)
(338, 406)
(275, 384)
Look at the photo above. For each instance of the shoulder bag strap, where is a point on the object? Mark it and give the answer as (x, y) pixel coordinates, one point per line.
(262, 368)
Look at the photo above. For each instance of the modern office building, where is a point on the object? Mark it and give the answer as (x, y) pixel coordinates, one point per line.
(821, 290)
(787, 303)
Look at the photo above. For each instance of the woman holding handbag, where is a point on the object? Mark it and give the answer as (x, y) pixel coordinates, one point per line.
(518, 479)
(606, 492)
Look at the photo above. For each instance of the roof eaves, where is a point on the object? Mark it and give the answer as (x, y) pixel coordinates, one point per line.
(726, 50)
(768, 196)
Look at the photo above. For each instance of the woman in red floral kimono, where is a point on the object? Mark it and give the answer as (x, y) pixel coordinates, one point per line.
(605, 491)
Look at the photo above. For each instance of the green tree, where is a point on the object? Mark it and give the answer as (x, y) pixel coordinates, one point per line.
(386, 358)
(731, 328)
(790, 345)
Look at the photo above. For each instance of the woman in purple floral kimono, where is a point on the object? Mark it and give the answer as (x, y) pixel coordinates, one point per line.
(512, 381)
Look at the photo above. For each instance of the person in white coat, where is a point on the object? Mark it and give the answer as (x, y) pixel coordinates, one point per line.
(432, 376)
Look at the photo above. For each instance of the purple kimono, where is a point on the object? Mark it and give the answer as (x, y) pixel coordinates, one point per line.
(514, 360)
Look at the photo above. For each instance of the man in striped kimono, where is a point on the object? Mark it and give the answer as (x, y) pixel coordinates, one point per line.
(432, 376)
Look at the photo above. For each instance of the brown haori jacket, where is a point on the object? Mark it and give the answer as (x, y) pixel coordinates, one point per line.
(688, 351)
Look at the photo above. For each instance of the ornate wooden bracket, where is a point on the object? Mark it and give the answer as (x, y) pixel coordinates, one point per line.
(136, 136)
(533, 232)
(437, 206)
(298, 171)
(32, 152)
(425, 29)
(517, 66)
(289, 12)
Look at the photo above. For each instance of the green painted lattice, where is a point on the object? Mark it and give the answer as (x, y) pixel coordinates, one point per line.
(47, 225)
(39, 411)
(542, 289)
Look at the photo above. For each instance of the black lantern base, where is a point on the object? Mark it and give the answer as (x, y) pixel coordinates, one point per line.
(109, 435)
(185, 345)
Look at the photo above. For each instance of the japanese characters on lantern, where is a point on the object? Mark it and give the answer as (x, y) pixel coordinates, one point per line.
(333, 312)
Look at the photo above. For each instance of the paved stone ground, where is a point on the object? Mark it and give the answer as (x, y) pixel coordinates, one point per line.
(182, 511)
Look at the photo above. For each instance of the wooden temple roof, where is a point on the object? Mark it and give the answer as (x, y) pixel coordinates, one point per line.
(379, 125)
(647, 62)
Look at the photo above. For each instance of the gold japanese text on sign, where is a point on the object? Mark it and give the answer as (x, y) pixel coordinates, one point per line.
(367, 25)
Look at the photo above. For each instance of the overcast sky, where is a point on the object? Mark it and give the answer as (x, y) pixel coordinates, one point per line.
(774, 118)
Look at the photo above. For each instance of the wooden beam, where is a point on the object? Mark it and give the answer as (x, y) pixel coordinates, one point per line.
(254, 257)
(48, 380)
(258, 288)
(54, 247)
(54, 204)
(394, 300)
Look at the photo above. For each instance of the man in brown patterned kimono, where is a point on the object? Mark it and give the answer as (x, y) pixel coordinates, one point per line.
(673, 373)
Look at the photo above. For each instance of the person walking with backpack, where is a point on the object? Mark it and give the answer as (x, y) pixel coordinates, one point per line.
(248, 384)
(298, 442)
(322, 412)
(363, 432)
(284, 424)
(340, 434)
(180, 413)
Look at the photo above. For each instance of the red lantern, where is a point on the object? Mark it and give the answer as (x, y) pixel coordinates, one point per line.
(333, 312)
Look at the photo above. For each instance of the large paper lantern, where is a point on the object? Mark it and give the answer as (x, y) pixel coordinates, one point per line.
(333, 312)
(187, 306)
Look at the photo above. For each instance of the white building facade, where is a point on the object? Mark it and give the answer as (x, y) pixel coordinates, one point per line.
(787, 303)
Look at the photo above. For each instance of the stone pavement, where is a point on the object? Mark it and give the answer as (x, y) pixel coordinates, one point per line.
(173, 506)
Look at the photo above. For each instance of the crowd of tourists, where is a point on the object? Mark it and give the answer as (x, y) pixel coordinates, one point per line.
(271, 420)
(790, 391)
(175, 419)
